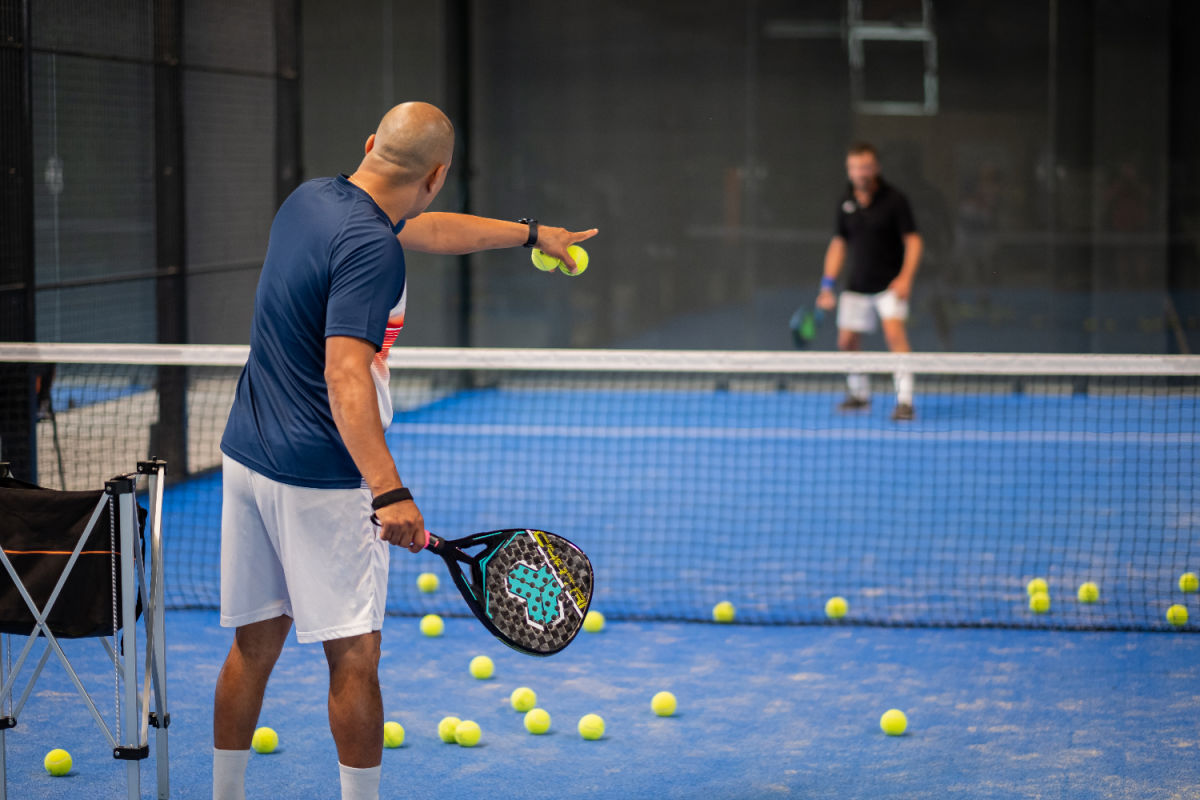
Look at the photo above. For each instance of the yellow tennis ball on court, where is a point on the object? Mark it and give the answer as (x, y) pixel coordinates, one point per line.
(544, 262)
(467, 733)
(57, 762)
(663, 704)
(447, 727)
(836, 607)
(523, 698)
(581, 261)
(482, 667)
(427, 582)
(723, 612)
(591, 726)
(1035, 586)
(1177, 615)
(593, 622)
(1188, 582)
(432, 625)
(893, 722)
(265, 740)
(1088, 592)
(393, 734)
(537, 721)
(1039, 603)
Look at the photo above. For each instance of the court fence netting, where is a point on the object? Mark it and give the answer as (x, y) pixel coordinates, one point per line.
(693, 477)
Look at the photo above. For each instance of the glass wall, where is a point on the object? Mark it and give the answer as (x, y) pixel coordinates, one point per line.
(706, 140)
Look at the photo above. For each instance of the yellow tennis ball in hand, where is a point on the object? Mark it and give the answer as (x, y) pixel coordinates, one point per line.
(663, 704)
(723, 612)
(57, 762)
(1177, 615)
(427, 582)
(432, 625)
(836, 607)
(893, 722)
(1088, 592)
(537, 721)
(393, 734)
(1188, 582)
(467, 733)
(447, 727)
(581, 261)
(523, 699)
(482, 667)
(265, 740)
(1039, 603)
(593, 622)
(1035, 586)
(591, 726)
(544, 262)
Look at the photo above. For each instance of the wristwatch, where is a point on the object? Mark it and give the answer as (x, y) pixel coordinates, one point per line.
(533, 231)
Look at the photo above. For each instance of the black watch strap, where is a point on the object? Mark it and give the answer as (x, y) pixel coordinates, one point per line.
(533, 231)
(394, 496)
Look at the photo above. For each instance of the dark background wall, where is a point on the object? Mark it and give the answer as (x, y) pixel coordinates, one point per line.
(1050, 150)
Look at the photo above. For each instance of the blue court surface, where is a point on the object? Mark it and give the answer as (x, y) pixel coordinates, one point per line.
(764, 712)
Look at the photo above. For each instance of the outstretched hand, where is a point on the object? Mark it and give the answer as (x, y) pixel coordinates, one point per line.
(555, 241)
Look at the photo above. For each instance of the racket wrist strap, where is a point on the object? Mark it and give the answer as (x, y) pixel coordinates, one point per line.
(827, 283)
(393, 496)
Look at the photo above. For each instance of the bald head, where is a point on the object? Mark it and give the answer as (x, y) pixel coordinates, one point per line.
(411, 141)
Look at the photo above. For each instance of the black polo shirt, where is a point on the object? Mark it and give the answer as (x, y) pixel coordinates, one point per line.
(874, 237)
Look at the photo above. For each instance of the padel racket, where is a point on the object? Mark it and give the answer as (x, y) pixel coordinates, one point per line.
(804, 325)
(530, 588)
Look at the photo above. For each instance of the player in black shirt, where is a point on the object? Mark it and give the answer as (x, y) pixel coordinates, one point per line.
(877, 236)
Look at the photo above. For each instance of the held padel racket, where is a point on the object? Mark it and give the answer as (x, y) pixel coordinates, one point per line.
(530, 588)
(804, 325)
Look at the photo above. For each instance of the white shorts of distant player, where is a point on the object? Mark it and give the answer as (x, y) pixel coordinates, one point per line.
(861, 313)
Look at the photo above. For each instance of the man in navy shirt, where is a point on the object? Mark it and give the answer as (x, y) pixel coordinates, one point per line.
(304, 458)
(877, 235)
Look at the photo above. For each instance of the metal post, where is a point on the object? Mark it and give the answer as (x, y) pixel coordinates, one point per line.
(127, 517)
(18, 405)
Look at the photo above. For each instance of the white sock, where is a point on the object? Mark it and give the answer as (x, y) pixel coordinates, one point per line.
(904, 387)
(359, 784)
(859, 385)
(229, 774)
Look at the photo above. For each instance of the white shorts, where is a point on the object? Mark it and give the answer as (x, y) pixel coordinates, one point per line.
(860, 312)
(311, 554)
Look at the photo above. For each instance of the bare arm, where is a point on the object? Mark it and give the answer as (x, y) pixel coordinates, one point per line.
(356, 414)
(913, 247)
(444, 233)
(835, 257)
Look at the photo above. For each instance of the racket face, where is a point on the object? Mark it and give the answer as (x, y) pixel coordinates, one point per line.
(804, 325)
(530, 588)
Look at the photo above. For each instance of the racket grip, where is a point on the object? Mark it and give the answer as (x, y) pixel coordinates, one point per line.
(432, 542)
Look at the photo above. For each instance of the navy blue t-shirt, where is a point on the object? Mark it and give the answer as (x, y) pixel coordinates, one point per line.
(334, 267)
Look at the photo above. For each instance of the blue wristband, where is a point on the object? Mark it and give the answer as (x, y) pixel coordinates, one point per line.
(827, 283)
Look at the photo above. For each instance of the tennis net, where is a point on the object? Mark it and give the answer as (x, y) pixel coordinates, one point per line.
(693, 477)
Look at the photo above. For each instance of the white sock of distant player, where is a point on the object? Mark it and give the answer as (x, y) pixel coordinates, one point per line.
(903, 381)
(859, 385)
(229, 774)
(359, 784)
